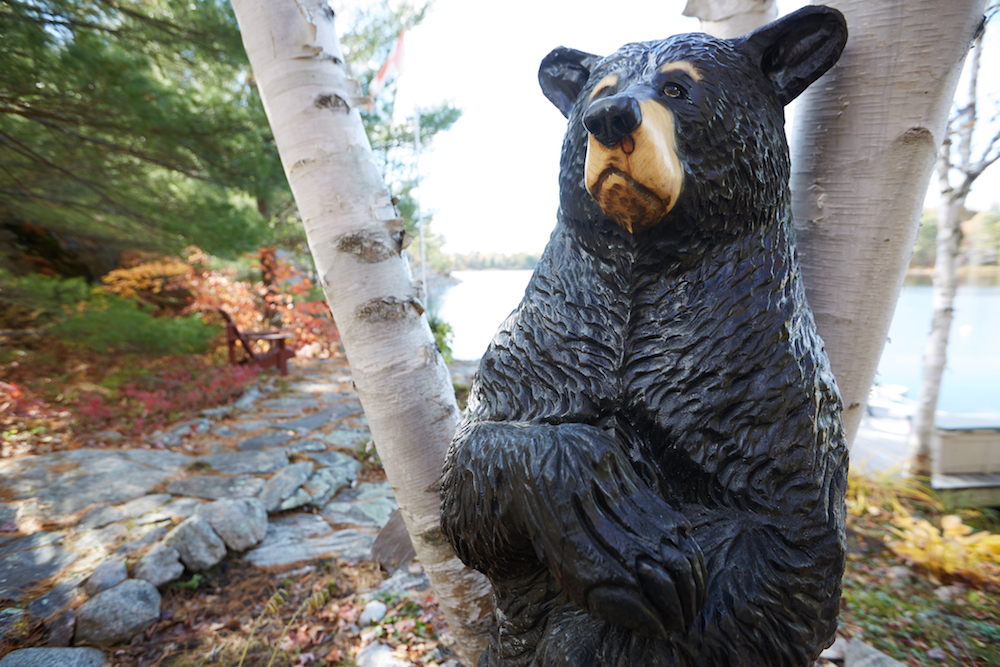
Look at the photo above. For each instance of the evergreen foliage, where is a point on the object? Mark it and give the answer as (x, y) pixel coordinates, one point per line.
(133, 120)
(374, 29)
(138, 121)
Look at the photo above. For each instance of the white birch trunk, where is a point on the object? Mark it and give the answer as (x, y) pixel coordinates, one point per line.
(865, 140)
(731, 18)
(949, 236)
(356, 238)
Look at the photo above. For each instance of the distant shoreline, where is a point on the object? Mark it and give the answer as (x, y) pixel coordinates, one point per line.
(963, 271)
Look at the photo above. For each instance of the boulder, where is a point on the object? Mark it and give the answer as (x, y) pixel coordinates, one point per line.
(284, 483)
(160, 565)
(197, 543)
(117, 614)
(241, 523)
(108, 574)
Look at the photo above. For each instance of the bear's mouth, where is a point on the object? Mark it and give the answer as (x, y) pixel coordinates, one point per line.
(637, 180)
(627, 201)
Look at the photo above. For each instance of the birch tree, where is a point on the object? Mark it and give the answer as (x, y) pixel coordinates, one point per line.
(953, 163)
(731, 18)
(356, 237)
(863, 149)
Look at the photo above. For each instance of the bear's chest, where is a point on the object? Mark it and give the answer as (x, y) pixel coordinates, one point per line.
(709, 359)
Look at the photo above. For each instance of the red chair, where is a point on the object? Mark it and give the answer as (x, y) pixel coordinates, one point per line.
(277, 355)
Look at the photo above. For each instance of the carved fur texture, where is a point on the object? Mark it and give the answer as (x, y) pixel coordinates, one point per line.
(651, 469)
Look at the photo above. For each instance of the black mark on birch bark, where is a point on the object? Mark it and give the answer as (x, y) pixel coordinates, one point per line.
(366, 246)
(332, 102)
(389, 309)
(433, 537)
(917, 135)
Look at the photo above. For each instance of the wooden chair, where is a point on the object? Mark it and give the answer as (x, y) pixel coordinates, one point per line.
(277, 355)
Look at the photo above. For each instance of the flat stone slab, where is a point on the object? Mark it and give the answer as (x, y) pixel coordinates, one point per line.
(312, 422)
(248, 462)
(8, 515)
(142, 539)
(859, 654)
(292, 402)
(300, 537)
(100, 517)
(265, 441)
(306, 446)
(182, 508)
(27, 561)
(247, 399)
(66, 594)
(251, 425)
(370, 504)
(337, 460)
(139, 506)
(49, 657)
(171, 462)
(348, 438)
(66, 482)
(99, 539)
(215, 487)
(224, 431)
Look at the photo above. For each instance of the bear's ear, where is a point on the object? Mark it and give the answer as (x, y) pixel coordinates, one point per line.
(563, 74)
(797, 49)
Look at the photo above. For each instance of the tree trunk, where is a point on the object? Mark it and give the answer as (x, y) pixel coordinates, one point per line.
(864, 146)
(949, 236)
(356, 238)
(731, 18)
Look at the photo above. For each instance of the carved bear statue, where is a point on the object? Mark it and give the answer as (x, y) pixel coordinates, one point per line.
(651, 469)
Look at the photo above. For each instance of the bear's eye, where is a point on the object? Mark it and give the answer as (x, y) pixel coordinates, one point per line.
(673, 90)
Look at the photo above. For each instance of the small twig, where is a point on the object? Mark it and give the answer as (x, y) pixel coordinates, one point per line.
(310, 604)
(275, 602)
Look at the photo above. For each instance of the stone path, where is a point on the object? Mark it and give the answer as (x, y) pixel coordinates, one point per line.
(222, 483)
(272, 479)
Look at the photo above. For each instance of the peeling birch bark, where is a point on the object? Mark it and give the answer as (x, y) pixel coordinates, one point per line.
(356, 238)
(864, 146)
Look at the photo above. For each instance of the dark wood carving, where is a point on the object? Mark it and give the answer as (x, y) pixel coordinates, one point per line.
(652, 466)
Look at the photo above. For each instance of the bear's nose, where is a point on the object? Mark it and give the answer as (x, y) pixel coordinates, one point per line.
(611, 118)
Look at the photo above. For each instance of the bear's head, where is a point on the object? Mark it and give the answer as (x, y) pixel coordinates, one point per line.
(686, 135)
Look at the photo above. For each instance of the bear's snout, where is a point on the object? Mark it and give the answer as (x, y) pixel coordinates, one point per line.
(632, 169)
(611, 119)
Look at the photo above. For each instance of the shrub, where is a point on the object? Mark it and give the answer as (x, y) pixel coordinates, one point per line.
(954, 549)
(108, 323)
(443, 336)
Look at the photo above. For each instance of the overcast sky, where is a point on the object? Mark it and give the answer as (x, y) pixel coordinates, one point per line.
(491, 180)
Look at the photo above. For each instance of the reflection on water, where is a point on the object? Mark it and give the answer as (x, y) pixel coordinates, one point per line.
(971, 384)
(971, 381)
(971, 277)
(477, 306)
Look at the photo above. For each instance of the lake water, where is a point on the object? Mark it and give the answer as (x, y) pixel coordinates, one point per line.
(971, 384)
